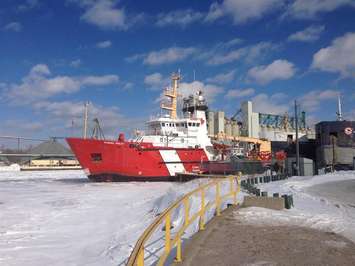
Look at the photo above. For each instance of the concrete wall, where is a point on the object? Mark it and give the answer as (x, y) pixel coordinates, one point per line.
(264, 202)
(307, 167)
(219, 122)
(247, 110)
(235, 129)
(278, 134)
(210, 123)
(228, 128)
(342, 155)
(255, 127)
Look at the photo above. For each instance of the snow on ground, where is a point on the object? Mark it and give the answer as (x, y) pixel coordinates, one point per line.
(11, 168)
(60, 218)
(324, 202)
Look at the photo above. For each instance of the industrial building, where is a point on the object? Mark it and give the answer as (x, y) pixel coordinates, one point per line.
(258, 125)
(47, 155)
(335, 145)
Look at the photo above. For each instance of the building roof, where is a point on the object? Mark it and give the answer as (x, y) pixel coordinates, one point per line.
(50, 147)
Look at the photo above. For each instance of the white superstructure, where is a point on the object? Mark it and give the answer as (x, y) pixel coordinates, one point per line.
(190, 131)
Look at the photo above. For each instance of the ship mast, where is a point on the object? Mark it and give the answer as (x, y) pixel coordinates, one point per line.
(172, 94)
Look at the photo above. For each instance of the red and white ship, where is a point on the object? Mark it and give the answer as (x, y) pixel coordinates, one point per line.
(170, 146)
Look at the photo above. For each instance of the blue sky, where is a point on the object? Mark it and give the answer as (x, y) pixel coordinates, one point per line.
(55, 55)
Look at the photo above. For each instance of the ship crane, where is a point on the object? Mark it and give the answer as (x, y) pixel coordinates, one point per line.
(234, 117)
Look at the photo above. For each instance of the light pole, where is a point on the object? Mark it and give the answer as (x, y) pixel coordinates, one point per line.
(297, 142)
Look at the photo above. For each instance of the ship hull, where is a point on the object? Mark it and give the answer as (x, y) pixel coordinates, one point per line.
(109, 161)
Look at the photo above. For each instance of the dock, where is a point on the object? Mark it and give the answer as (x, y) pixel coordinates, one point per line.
(228, 241)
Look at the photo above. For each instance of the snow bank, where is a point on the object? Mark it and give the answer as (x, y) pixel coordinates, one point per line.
(310, 210)
(11, 168)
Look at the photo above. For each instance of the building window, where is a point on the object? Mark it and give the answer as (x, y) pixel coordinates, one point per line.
(190, 124)
(198, 124)
(163, 124)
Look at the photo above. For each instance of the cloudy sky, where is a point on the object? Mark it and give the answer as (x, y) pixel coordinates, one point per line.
(119, 54)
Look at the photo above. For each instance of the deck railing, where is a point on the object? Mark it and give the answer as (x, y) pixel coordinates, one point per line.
(174, 241)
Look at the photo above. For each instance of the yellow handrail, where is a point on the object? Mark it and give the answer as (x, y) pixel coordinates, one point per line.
(137, 256)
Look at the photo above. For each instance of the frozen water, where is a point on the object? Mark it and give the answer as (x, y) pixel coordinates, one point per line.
(60, 218)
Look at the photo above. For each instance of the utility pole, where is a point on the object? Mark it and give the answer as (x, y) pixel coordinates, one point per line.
(297, 142)
(86, 110)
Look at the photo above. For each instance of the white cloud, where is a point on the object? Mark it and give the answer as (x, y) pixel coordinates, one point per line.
(250, 54)
(164, 56)
(75, 63)
(209, 91)
(222, 78)
(243, 11)
(39, 85)
(263, 103)
(179, 17)
(104, 44)
(28, 5)
(13, 26)
(277, 70)
(231, 42)
(236, 93)
(24, 126)
(229, 57)
(312, 100)
(127, 85)
(111, 120)
(309, 34)
(218, 54)
(339, 57)
(103, 13)
(156, 81)
(309, 9)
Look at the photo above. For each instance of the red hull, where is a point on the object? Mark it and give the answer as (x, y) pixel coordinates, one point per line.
(127, 161)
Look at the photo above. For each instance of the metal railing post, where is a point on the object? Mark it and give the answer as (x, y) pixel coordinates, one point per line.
(167, 233)
(234, 189)
(178, 257)
(218, 207)
(140, 259)
(187, 211)
(137, 255)
(202, 210)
